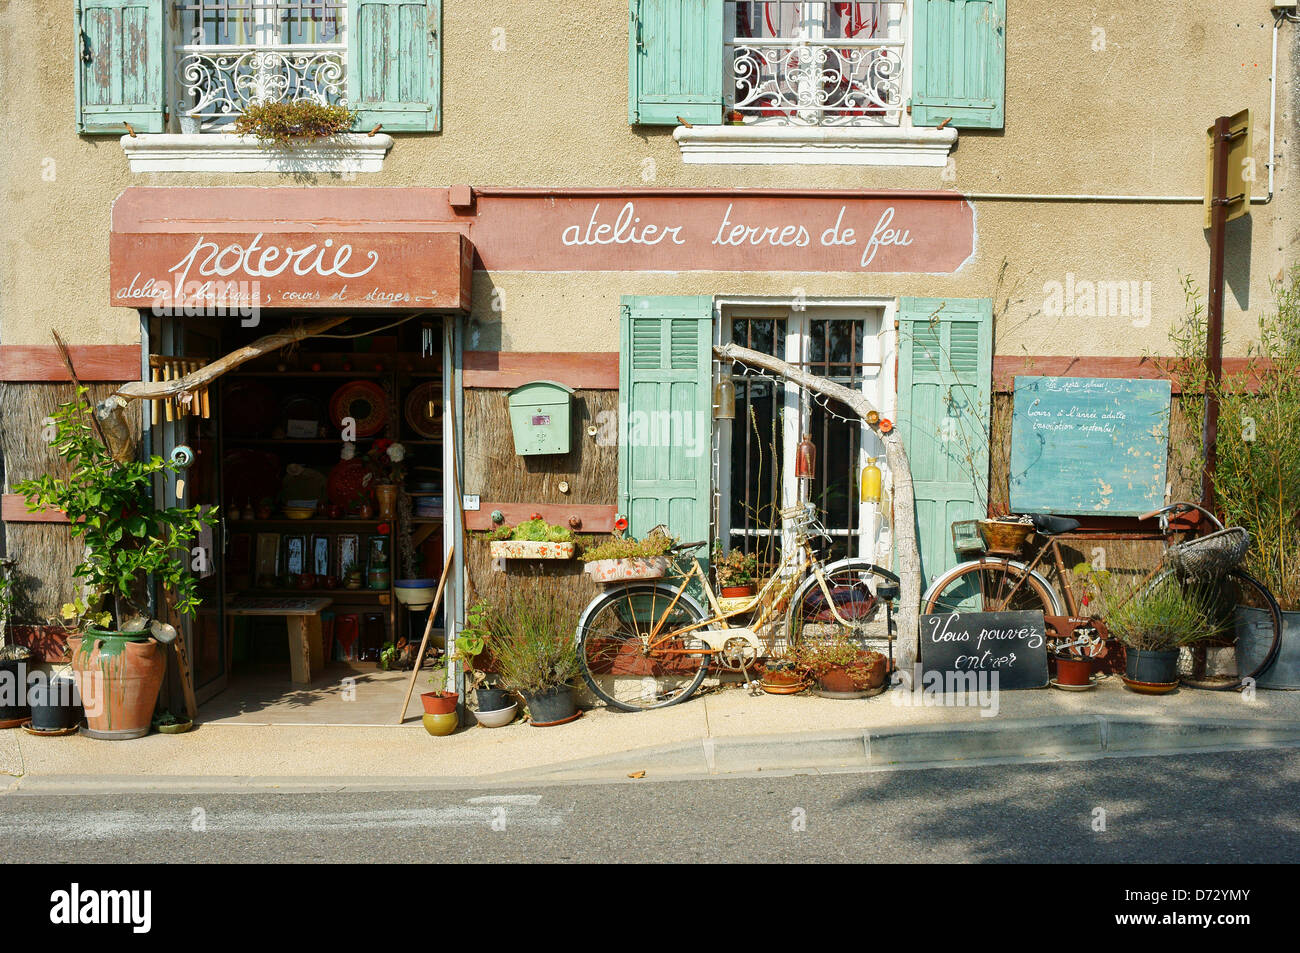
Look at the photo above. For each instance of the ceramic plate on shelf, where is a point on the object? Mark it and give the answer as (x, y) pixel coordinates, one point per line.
(424, 409)
(365, 402)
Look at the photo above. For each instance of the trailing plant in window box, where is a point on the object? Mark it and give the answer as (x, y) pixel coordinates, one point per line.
(653, 544)
(286, 123)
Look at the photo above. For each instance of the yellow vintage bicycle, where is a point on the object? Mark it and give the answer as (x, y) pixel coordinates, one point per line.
(646, 645)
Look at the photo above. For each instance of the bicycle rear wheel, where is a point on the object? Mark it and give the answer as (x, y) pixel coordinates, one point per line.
(1257, 624)
(1251, 622)
(624, 665)
(852, 584)
(991, 584)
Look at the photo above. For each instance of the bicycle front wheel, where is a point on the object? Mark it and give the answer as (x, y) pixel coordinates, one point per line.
(991, 584)
(629, 655)
(852, 585)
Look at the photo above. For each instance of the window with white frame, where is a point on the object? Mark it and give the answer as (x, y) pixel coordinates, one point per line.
(231, 53)
(815, 63)
(756, 450)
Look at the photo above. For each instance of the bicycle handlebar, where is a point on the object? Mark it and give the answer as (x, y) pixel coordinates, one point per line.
(1182, 507)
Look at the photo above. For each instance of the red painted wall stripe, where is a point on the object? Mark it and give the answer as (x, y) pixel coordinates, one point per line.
(595, 371)
(92, 362)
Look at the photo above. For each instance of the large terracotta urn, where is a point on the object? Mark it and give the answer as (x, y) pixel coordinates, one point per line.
(118, 677)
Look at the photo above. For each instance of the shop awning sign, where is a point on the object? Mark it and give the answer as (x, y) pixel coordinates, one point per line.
(329, 268)
(710, 230)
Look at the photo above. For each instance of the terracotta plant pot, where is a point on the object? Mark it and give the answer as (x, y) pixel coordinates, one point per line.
(864, 677)
(438, 703)
(386, 498)
(1073, 671)
(783, 682)
(118, 677)
(738, 592)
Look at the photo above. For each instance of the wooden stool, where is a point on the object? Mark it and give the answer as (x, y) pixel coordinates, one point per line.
(302, 616)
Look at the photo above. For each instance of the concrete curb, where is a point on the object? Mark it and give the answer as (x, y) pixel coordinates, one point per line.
(966, 743)
(1028, 738)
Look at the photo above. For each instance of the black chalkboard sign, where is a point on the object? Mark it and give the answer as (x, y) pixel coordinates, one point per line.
(1013, 644)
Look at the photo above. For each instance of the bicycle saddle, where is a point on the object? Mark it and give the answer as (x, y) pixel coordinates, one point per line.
(1053, 525)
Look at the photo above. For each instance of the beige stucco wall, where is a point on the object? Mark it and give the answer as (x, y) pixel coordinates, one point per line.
(550, 110)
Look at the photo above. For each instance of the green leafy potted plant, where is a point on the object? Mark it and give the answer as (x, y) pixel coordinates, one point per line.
(620, 558)
(1257, 471)
(737, 572)
(841, 666)
(127, 538)
(440, 716)
(1155, 624)
(531, 637)
(534, 538)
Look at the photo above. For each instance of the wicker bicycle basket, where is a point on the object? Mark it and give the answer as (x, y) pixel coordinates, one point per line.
(1212, 555)
(1004, 537)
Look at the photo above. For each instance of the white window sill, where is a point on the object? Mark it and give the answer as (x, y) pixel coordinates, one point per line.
(220, 152)
(762, 143)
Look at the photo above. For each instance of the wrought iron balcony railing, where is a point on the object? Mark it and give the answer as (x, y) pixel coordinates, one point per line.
(808, 62)
(216, 83)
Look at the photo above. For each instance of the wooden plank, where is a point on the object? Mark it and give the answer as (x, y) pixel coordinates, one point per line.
(596, 517)
(93, 362)
(508, 369)
(13, 509)
(300, 649)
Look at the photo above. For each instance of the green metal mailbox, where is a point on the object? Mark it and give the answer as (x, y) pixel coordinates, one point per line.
(539, 417)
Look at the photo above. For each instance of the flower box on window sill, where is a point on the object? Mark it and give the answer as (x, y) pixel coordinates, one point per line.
(222, 152)
(769, 143)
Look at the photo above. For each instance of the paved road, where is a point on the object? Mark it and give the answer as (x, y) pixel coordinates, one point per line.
(1234, 807)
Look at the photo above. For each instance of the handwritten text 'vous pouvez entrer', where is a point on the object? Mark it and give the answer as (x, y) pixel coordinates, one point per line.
(627, 229)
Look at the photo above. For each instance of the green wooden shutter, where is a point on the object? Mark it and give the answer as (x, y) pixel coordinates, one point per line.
(675, 62)
(959, 56)
(395, 64)
(945, 369)
(666, 421)
(120, 66)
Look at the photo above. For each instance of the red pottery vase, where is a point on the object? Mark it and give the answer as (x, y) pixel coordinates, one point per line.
(118, 677)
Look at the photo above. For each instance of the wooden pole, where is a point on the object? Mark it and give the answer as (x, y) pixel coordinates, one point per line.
(909, 559)
(428, 629)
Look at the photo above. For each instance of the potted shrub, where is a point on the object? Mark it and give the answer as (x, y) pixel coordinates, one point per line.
(13, 659)
(127, 538)
(620, 558)
(440, 716)
(470, 645)
(534, 538)
(1257, 472)
(1155, 624)
(841, 666)
(782, 677)
(737, 572)
(531, 636)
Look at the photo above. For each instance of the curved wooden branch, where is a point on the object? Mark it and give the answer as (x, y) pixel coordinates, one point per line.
(156, 390)
(904, 498)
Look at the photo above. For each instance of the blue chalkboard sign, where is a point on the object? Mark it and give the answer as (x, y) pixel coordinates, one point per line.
(1085, 445)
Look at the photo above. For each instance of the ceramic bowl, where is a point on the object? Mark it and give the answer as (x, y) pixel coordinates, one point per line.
(441, 724)
(498, 718)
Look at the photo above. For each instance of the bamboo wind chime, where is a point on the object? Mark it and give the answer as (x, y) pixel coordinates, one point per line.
(197, 404)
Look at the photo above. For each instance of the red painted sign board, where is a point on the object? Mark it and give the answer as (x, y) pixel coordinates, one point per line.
(724, 231)
(364, 248)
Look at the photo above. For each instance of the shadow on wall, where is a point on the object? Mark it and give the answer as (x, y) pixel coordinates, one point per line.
(1236, 266)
